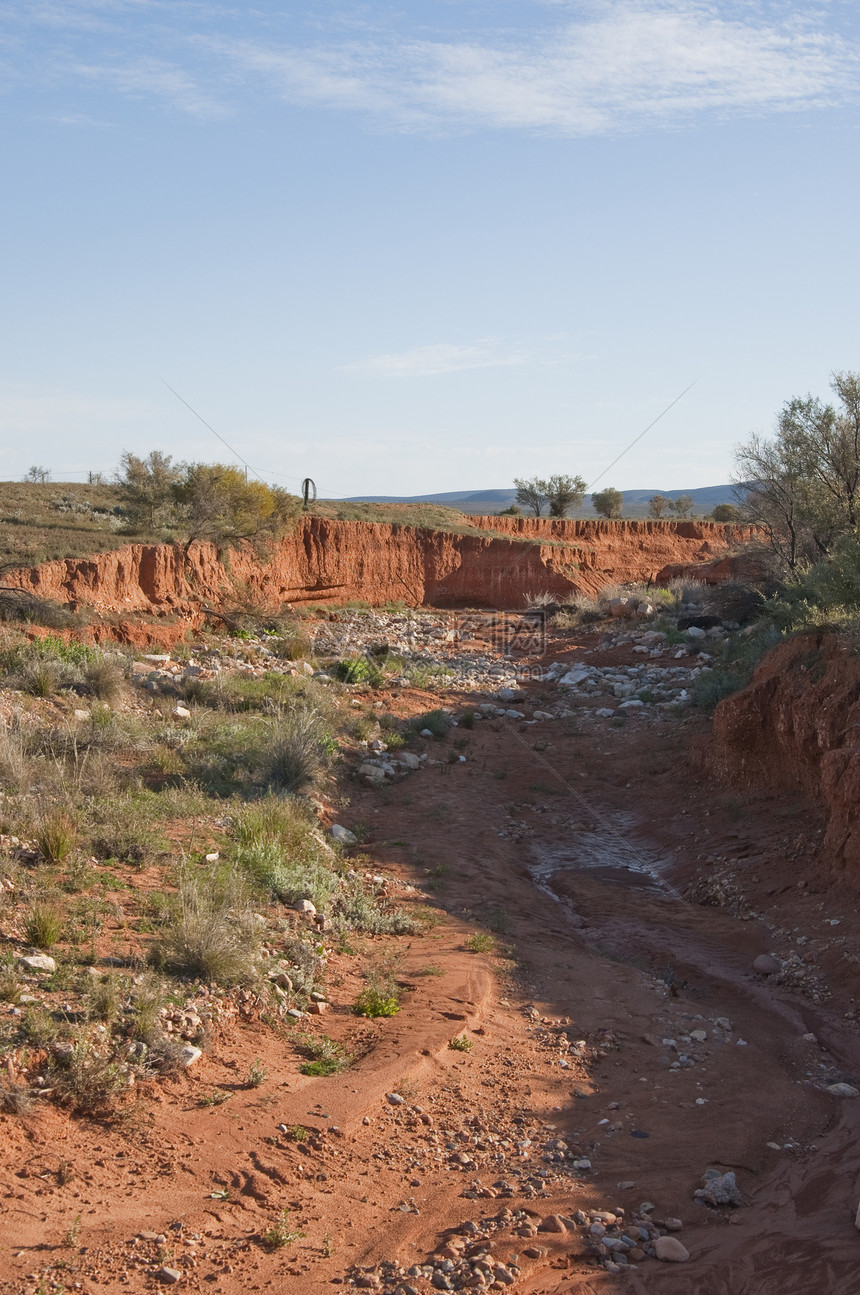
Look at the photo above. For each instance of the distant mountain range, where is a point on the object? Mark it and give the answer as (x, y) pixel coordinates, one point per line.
(705, 499)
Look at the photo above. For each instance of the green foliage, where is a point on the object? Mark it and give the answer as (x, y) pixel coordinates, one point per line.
(460, 1043)
(480, 942)
(56, 835)
(374, 1002)
(559, 492)
(608, 503)
(86, 1080)
(726, 513)
(257, 1074)
(802, 487)
(328, 1056)
(682, 505)
(658, 505)
(220, 505)
(359, 670)
(43, 925)
(280, 1233)
(437, 721)
(826, 593)
(146, 487)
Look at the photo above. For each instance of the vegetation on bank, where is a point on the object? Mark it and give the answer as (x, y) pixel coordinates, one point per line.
(164, 865)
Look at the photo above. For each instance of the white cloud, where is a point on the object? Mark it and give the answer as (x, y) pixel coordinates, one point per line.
(632, 64)
(442, 357)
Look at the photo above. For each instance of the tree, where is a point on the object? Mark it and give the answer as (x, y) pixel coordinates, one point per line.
(803, 486)
(147, 487)
(658, 505)
(682, 506)
(37, 474)
(564, 492)
(608, 502)
(531, 493)
(725, 513)
(220, 505)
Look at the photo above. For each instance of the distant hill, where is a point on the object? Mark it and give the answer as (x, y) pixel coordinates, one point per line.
(484, 502)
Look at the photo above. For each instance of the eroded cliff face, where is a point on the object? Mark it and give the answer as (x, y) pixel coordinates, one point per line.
(798, 726)
(332, 561)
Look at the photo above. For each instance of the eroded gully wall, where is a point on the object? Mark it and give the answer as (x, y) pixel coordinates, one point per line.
(798, 726)
(324, 560)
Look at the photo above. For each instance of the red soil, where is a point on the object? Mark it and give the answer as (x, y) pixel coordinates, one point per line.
(798, 727)
(329, 561)
(605, 954)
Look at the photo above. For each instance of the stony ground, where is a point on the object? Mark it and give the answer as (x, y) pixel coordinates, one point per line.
(626, 1046)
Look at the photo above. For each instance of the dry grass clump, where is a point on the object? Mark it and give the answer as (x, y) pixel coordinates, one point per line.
(301, 749)
(211, 934)
(56, 835)
(87, 1079)
(43, 925)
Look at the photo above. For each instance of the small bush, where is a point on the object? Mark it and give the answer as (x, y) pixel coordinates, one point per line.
(437, 721)
(460, 1043)
(86, 1080)
(56, 836)
(105, 678)
(359, 670)
(301, 750)
(15, 1099)
(211, 934)
(328, 1056)
(105, 997)
(43, 925)
(257, 1074)
(481, 942)
(280, 1233)
(42, 676)
(362, 911)
(374, 1002)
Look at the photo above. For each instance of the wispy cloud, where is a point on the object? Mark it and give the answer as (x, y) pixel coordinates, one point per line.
(632, 64)
(442, 357)
(615, 65)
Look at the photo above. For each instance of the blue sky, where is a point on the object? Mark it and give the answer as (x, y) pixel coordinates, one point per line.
(423, 246)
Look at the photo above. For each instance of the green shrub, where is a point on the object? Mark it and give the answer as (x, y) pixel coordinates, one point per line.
(56, 835)
(437, 721)
(359, 670)
(328, 1056)
(480, 942)
(460, 1043)
(374, 1002)
(43, 925)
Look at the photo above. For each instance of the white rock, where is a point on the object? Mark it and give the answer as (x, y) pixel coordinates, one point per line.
(394, 1099)
(190, 1054)
(305, 906)
(694, 632)
(181, 712)
(213, 857)
(632, 703)
(343, 834)
(604, 713)
(575, 677)
(843, 1090)
(38, 962)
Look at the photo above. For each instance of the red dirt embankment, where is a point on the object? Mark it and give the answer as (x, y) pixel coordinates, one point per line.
(798, 726)
(334, 561)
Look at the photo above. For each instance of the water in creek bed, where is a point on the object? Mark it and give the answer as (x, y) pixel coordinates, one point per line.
(612, 852)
